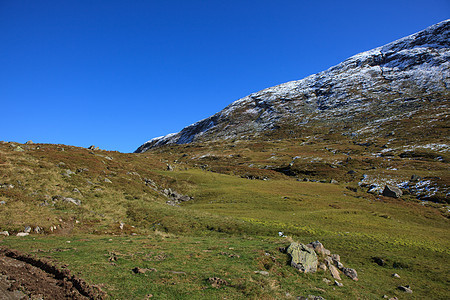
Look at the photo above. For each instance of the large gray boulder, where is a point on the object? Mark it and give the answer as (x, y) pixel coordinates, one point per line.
(392, 191)
(303, 257)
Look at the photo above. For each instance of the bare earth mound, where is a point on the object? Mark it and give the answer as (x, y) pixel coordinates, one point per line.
(23, 277)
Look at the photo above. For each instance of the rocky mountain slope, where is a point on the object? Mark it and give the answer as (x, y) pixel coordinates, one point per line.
(406, 81)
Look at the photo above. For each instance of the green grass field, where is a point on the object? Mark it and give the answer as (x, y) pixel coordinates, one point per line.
(229, 230)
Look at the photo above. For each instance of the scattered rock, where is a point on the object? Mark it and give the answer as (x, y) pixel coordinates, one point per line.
(337, 263)
(72, 200)
(303, 258)
(18, 149)
(217, 282)
(138, 270)
(319, 248)
(121, 225)
(338, 283)
(149, 182)
(334, 181)
(230, 255)
(350, 273)
(30, 142)
(323, 266)
(22, 234)
(310, 297)
(113, 258)
(175, 197)
(335, 257)
(5, 233)
(75, 190)
(107, 180)
(395, 275)
(326, 280)
(2, 202)
(66, 199)
(406, 289)
(392, 191)
(334, 272)
(67, 173)
(265, 273)
(92, 147)
(60, 164)
(38, 229)
(169, 168)
(379, 261)
(27, 229)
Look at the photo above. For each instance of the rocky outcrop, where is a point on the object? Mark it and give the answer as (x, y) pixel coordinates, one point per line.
(175, 198)
(314, 256)
(303, 258)
(370, 89)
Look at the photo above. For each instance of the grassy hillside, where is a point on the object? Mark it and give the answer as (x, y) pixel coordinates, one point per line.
(244, 194)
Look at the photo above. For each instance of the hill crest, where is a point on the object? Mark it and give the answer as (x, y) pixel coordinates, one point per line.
(392, 81)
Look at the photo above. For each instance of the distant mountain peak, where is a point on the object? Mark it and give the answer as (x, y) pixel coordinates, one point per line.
(389, 81)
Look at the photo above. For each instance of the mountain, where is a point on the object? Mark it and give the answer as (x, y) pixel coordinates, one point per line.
(359, 96)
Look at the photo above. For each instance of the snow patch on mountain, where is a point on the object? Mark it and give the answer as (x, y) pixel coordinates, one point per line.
(376, 81)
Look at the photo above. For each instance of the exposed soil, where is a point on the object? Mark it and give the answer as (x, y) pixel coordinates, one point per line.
(25, 277)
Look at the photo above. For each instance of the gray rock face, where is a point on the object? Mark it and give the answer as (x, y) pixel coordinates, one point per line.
(392, 191)
(303, 257)
(370, 89)
(350, 273)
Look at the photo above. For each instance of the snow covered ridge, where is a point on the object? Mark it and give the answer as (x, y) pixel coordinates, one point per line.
(378, 81)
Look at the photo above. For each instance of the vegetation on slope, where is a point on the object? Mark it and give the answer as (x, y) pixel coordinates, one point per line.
(242, 199)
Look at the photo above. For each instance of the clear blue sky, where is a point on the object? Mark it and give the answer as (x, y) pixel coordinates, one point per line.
(118, 73)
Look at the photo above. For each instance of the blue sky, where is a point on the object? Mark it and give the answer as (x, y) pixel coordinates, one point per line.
(118, 73)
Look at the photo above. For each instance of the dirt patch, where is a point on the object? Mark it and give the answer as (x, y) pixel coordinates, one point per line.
(23, 276)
